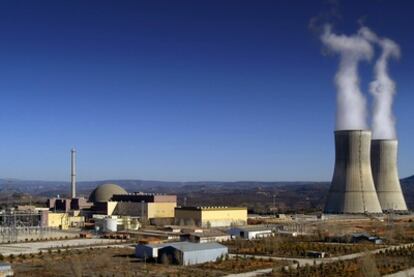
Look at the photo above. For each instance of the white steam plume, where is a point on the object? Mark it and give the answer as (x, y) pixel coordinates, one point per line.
(383, 87)
(351, 104)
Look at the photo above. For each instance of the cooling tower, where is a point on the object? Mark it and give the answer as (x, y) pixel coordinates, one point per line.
(352, 188)
(385, 173)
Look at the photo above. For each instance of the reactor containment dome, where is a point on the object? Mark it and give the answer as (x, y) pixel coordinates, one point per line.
(104, 193)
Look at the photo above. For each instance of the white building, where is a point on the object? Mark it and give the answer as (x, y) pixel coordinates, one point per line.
(251, 232)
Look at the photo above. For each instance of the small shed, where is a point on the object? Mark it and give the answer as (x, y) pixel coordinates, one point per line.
(364, 237)
(6, 269)
(315, 254)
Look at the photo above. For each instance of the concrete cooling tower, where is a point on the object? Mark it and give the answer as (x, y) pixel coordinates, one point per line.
(385, 173)
(352, 189)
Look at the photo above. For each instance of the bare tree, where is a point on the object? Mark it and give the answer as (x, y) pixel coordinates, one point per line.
(368, 266)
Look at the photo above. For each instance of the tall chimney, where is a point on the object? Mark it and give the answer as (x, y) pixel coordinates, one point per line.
(352, 188)
(385, 172)
(73, 173)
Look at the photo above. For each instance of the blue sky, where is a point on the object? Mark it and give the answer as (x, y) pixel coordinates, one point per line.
(182, 90)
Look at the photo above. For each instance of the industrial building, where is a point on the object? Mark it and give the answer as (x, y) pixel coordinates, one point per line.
(59, 204)
(210, 216)
(352, 188)
(184, 253)
(201, 237)
(251, 232)
(149, 251)
(187, 253)
(57, 220)
(385, 173)
(111, 199)
(115, 223)
(62, 220)
(68, 204)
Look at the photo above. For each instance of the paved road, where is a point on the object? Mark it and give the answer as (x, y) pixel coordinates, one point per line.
(251, 273)
(404, 273)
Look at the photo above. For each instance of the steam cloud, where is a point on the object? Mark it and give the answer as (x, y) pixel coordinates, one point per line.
(383, 87)
(351, 111)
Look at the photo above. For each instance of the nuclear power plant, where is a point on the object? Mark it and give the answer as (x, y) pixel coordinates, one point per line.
(385, 173)
(352, 189)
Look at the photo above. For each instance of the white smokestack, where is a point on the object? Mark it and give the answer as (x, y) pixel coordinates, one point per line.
(73, 173)
(383, 87)
(351, 104)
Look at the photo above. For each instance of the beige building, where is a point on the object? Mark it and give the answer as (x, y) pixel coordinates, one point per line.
(64, 220)
(146, 210)
(58, 220)
(210, 216)
(112, 200)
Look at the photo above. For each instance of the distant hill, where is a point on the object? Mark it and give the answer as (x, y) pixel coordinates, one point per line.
(407, 185)
(49, 188)
(258, 196)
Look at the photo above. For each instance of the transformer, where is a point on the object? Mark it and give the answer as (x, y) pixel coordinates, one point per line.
(352, 188)
(385, 173)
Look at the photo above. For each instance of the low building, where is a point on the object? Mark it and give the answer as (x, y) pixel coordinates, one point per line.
(251, 232)
(67, 204)
(210, 216)
(115, 223)
(6, 270)
(364, 237)
(205, 237)
(149, 251)
(144, 197)
(188, 253)
(76, 221)
(58, 220)
(146, 210)
(111, 199)
(287, 233)
(315, 254)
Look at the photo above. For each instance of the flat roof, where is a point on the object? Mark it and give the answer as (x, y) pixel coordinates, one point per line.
(254, 228)
(209, 235)
(191, 246)
(186, 246)
(210, 208)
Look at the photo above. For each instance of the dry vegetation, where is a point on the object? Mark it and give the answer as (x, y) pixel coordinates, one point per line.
(122, 262)
(241, 264)
(97, 262)
(385, 262)
(288, 247)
